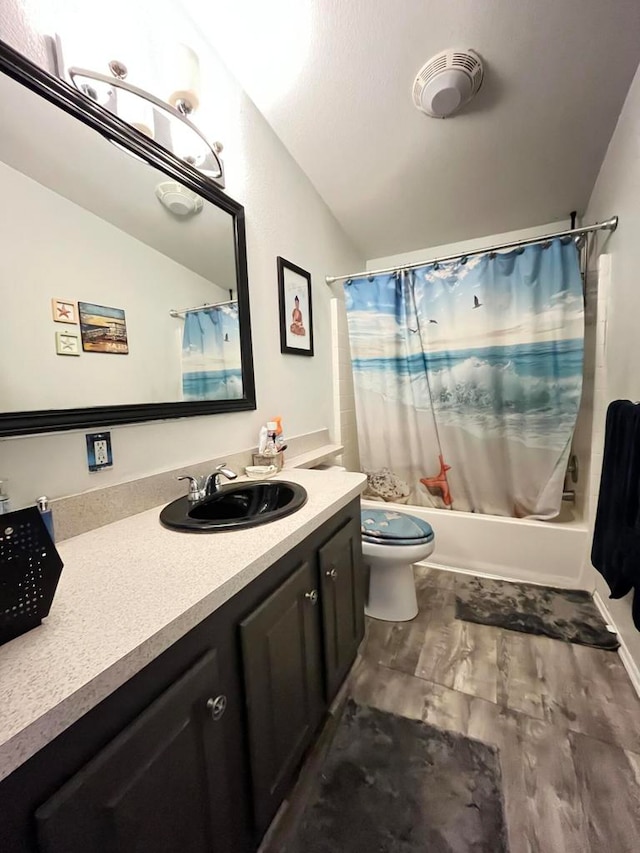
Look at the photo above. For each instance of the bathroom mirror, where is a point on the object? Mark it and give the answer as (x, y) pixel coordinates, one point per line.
(123, 270)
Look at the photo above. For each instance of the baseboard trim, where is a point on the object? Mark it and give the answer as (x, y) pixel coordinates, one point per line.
(549, 580)
(632, 668)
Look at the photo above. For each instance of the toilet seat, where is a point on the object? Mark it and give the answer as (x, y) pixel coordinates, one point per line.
(373, 540)
(379, 526)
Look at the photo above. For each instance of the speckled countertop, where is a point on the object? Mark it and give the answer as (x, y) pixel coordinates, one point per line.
(127, 592)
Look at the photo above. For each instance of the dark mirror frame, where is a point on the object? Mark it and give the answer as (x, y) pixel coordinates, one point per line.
(64, 96)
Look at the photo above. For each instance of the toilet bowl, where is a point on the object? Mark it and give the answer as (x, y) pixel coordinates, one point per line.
(391, 543)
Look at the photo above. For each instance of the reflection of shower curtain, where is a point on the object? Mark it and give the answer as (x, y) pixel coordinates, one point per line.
(468, 379)
(211, 367)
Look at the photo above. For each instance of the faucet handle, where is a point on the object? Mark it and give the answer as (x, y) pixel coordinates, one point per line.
(223, 468)
(194, 487)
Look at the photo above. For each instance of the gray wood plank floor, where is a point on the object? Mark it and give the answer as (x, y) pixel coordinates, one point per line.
(565, 718)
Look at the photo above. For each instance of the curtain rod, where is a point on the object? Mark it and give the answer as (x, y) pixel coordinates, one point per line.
(607, 225)
(177, 312)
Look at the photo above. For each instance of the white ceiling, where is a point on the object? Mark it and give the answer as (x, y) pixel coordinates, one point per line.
(333, 77)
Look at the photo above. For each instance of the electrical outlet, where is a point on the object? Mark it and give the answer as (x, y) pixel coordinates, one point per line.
(100, 448)
(99, 454)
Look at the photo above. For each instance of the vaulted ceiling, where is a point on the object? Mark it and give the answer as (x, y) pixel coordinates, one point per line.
(334, 77)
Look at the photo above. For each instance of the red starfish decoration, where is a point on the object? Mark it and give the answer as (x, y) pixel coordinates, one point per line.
(439, 484)
(63, 311)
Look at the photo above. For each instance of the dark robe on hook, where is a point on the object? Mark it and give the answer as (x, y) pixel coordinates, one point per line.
(616, 538)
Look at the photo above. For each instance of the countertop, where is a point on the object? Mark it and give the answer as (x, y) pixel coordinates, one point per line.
(128, 591)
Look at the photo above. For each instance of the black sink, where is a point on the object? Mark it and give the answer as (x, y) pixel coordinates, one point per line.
(234, 507)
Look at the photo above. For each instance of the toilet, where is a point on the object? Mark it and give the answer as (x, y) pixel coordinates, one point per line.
(391, 542)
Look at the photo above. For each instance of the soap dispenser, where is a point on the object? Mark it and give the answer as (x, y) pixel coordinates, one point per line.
(47, 515)
(271, 448)
(5, 501)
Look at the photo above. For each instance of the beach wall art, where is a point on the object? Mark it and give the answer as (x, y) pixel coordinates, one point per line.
(211, 361)
(103, 329)
(468, 378)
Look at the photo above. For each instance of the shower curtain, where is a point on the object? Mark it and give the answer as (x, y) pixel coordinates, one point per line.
(468, 378)
(211, 368)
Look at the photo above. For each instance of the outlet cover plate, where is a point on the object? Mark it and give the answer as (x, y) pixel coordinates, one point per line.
(99, 453)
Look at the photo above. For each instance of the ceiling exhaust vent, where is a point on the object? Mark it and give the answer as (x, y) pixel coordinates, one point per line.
(178, 199)
(447, 82)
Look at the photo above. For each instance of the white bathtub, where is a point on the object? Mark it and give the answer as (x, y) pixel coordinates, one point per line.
(547, 552)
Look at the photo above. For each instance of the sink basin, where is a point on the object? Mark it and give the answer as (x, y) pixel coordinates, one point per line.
(235, 506)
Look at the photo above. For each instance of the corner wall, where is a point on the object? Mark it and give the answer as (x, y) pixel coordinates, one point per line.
(617, 191)
(284, 216)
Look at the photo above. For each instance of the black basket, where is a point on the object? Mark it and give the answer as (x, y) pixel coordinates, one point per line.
(30, 568)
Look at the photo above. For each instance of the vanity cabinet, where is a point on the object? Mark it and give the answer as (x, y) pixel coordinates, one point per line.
(283, 685)
(342, 594)
(159, 785)
(156, 766)
(297, 648)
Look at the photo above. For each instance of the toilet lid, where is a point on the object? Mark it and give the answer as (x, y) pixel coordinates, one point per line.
(395, 528)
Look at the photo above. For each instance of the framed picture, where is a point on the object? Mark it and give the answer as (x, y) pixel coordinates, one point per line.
(296, 314)
(67, 343)
(64, 311)
(103, 329)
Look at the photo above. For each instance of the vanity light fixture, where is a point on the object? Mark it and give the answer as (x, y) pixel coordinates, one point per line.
(167, 122)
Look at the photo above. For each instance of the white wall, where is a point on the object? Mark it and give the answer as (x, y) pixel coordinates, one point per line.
(345, 425)
(80, 257)
(284, 216)
(617, 191)
(465, 245)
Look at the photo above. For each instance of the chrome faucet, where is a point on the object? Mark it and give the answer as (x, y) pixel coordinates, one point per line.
(212, 482)
(201, 488)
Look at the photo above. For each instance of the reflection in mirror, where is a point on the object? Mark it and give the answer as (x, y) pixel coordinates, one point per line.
(146, 268)
(211, 352)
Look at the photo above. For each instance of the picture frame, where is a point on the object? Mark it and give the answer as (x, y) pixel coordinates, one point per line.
(296, 309)
(103, 329)
(67, 343)
(64, 311)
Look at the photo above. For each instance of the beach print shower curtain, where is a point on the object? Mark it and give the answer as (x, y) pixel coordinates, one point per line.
(211, 368)
(468, 378)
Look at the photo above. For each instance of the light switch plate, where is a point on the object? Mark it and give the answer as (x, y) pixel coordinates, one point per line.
(99, 453)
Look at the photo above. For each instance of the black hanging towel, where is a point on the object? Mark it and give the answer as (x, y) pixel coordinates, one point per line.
(615, 552)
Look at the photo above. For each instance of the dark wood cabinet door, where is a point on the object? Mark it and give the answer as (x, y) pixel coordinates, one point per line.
(159, 786)
(283, 683)
(341, 583)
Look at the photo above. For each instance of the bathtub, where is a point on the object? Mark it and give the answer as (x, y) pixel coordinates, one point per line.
(546, 552)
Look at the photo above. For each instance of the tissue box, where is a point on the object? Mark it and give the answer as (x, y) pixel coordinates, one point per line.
(277, 460)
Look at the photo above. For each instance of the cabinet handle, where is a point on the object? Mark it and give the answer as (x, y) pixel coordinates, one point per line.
(331, 573)
(312, 596)
(217, 706)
